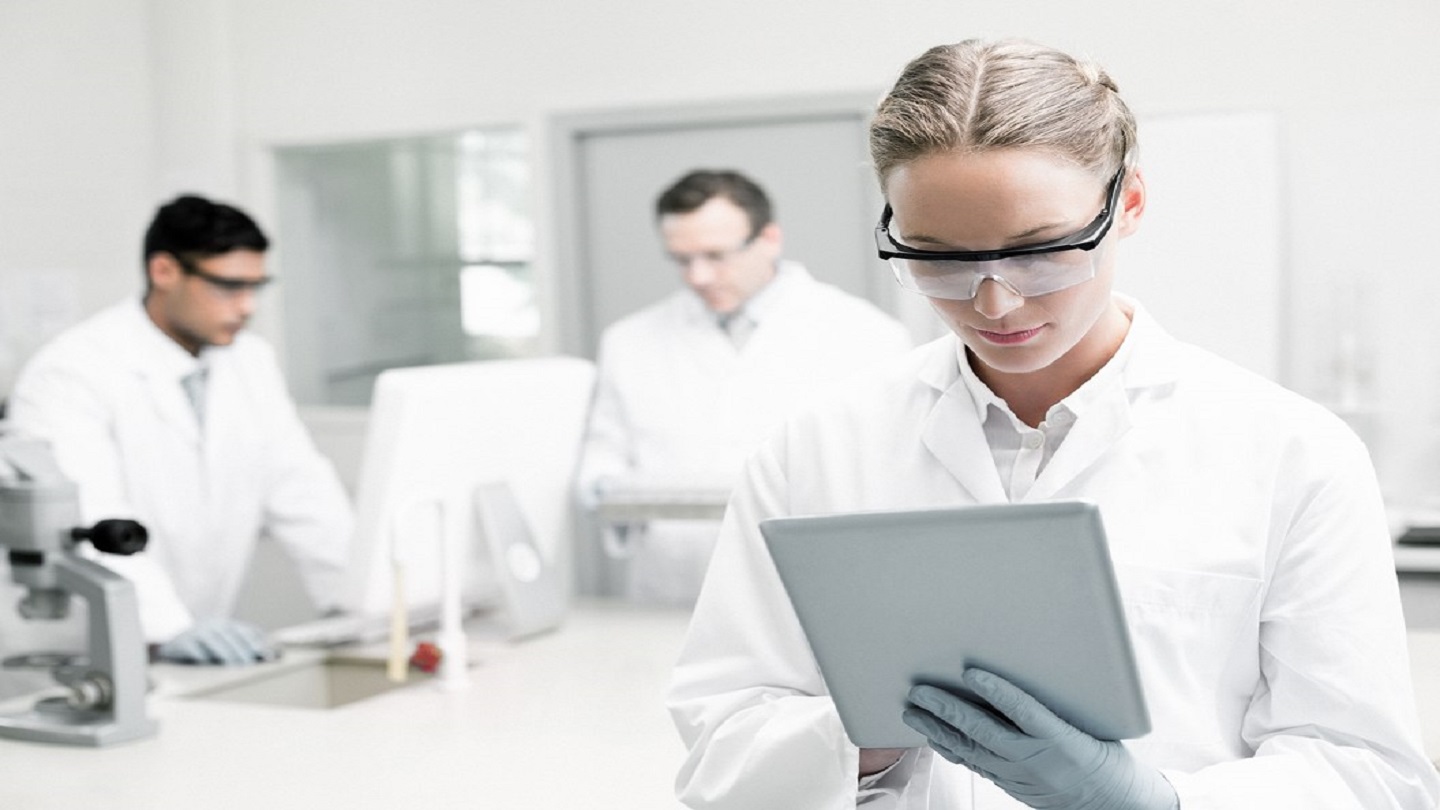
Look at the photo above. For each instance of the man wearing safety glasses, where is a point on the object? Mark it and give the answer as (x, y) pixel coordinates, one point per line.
(691, 383)
(165, 409)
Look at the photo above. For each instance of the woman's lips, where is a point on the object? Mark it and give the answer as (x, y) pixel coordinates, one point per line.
(1009, 338)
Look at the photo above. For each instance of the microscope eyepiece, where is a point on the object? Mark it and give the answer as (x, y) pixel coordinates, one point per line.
(115, 536)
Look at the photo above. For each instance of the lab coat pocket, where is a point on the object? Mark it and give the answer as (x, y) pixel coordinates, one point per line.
(1196, 641)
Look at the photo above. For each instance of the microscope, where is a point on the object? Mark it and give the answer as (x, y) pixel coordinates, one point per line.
(105, 686)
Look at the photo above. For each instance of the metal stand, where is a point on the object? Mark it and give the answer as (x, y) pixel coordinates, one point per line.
(107, 700)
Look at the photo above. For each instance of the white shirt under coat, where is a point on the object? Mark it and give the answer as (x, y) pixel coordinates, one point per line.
(1251, 550)
(108, 396)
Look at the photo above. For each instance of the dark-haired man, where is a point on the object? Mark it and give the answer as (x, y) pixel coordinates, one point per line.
(164, 409)
(690, 385)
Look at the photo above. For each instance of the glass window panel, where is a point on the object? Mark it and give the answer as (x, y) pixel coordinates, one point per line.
(403, 252)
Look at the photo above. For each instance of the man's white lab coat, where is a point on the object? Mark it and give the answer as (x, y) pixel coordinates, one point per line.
(1252, 554)
(108, 397)
(678, 406)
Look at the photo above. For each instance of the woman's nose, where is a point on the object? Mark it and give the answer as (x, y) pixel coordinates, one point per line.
(995, 298)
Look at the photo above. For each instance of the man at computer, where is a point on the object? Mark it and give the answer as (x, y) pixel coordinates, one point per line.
(165, 409)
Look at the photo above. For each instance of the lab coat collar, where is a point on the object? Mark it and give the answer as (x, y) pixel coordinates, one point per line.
(156, 357)
(954, 431)
(1154, 355)
(1077, 403)
(951, 432)
(153, 353)
(789, 277)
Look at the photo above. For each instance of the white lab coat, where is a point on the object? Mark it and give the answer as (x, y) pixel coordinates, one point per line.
(678, 406)
(1251, 551)
(107, 395)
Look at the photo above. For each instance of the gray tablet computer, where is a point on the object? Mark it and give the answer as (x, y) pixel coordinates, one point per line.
(892, 599)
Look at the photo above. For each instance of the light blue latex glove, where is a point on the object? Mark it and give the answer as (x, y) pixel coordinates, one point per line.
(219, 641)
(1035, 757)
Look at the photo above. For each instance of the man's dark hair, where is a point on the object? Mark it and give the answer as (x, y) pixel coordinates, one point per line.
(702, 185)
(192, 227)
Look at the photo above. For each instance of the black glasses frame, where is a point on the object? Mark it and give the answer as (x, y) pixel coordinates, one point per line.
(1086, 238)
(229, 285)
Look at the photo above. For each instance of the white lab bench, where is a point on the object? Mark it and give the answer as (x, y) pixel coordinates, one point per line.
(570, 719)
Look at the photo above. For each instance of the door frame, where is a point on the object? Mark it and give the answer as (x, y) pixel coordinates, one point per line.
(572, 287)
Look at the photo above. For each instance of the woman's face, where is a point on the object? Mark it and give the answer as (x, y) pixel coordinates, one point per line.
(1011, 198)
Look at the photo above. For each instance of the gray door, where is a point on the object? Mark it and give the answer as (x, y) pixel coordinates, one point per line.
(809, 156)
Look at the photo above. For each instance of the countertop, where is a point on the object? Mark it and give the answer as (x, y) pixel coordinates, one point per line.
(574, 718)
(570, 719)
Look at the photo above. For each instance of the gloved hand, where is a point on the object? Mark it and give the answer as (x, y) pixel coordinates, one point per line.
(219, 641)
(1036, 757)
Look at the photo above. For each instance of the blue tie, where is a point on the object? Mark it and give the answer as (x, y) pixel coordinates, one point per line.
(194, 385)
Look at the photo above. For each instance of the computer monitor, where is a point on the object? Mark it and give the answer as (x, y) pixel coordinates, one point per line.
(505, 436)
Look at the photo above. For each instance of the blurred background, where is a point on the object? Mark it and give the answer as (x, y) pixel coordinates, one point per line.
(451, 179)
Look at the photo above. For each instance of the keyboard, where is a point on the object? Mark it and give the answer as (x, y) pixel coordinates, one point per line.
(351, 628)
(638, 504)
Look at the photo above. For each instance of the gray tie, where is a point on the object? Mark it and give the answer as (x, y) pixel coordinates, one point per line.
(738, 326)
(194, 385)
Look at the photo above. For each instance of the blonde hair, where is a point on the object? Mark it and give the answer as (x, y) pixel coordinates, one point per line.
(978, 95)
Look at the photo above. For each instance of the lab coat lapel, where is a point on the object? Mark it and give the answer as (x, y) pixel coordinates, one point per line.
(953, 433)
(1094, 434)
(154, 357)
(172, 406)
(174, 409)
(224, 419)
(1153, 365)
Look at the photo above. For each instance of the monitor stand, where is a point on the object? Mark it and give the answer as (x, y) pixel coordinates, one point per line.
(532, 590)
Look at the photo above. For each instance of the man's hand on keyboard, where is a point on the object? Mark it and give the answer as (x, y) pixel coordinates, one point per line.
(219, 641)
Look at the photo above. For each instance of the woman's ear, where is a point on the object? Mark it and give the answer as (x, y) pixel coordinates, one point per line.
(1132, 203)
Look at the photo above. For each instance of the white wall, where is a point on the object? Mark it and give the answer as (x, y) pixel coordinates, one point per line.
(193, 78)
(76, 164)
(328, 68)
(1355, 83)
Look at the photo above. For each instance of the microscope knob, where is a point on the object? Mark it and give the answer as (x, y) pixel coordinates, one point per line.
(115, 536)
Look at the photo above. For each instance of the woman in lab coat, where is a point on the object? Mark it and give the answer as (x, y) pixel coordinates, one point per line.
(1245, 522)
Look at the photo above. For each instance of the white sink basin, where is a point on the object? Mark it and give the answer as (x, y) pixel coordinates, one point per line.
(324, 683)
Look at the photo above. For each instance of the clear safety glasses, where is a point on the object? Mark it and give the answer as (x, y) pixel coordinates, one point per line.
(222, 286)
(713, 257)
(1028, 271)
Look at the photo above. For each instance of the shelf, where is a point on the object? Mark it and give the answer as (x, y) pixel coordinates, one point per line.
(1417, 559)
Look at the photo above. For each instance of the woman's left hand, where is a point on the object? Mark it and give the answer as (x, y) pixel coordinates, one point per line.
(1013, 740)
